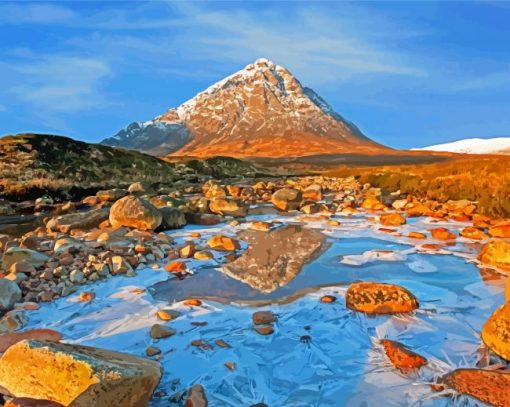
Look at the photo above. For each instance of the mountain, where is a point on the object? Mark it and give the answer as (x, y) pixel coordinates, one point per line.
(259, 111)
(499, 145)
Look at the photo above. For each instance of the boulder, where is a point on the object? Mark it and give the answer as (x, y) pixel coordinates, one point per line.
(392, 219)
(496, 332)
(135, 212)
(196, 397)
(501, 229)
(473, 233)
(75, 375)
(67, 245)
(172, 218)
(223, 243)
(160, 331)
(496, 253)
(10, 293)
(371, 203)
(228, 207)
(78, 220)
(380, 298)
(263, 317)
(313, 193)
(442, 234)
(15, 254)
(111, 195)
(9, 339)
(287, 199)
(490, 387)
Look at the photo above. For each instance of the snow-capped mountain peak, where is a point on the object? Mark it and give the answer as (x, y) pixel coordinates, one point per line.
(498, 145)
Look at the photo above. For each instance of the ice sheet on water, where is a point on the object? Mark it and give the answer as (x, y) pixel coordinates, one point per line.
(342, 364)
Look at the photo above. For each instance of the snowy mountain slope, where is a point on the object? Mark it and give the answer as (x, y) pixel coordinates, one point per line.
(261, 110)
(499, 145)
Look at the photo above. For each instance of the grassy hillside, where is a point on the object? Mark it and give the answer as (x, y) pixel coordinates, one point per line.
(32, 164)
(485, 179)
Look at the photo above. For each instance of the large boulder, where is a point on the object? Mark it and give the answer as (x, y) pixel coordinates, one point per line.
(172, 218)
(392, 219)
(496, 253)
(196, 397)
(490, 387)
(380, 298)
(135, 212)
(10, 293)
(78, 220)
(75, 375)
(496, 332)
(228, 207)
(287, 199)
(15, 254)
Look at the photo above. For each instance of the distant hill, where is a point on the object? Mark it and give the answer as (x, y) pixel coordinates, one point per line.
(499, 145)
(44, 163)
(259, 111)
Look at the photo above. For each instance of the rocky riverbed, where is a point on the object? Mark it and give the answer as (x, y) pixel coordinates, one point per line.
(305, 291)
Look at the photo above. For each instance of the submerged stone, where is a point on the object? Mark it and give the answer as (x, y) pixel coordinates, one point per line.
(380, 298)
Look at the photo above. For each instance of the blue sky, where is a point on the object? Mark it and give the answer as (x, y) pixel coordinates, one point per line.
(407, 73)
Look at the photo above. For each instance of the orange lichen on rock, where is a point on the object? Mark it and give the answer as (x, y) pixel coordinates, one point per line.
(442, 234)
(392, 219)
(496, 253)
(496, 332)
(380, 298)
(488, 386)
(401, 357)
(223, 243)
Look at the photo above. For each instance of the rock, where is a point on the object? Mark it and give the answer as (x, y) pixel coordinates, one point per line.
(15, 254)
(30, 402)
(86, 296)
(392, 219)
(203, 255)
(501, 229)
(399, 204)
(416, 235)
(172, 218)
(222, 344)
(371, 203)
(496, 253)
(287, 199)
(223, 243)
(152, 351)
(328, 299)
(312, 193)
(414, 209)
(111, 195)
(206, 219)
(193, 302)
(442, 234)
(167, 315)
(10, 293)
(67, 245)
(263, 317)
(139, 187)
(259, 225)
(380, 298)
(196, 397)
(487, 386)
(496, 332)
(134, 212)
(76, 277)
(120, 265)
(176, 267)
(230, 365)
(199, 343)
(13, 320)
(21, 267)
(187, 251)
(9, 339)
(471, 232)
(228, 207)
(78, 220)
(404, 359)
(77, 375)
(160, 331)
(264, 329)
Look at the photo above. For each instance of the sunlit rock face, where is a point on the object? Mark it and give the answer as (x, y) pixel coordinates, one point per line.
(259, 111)
(274, 258)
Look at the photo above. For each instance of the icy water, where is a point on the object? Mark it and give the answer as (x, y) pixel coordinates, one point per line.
(342, 363)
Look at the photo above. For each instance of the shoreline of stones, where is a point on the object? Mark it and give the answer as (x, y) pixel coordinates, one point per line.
(122, 231)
